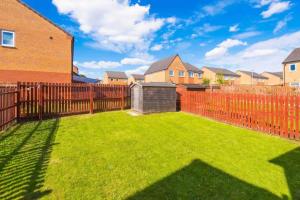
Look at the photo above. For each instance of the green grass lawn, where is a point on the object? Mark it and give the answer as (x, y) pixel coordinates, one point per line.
(162, 156)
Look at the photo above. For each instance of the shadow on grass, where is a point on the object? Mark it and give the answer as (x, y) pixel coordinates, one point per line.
(24, 155)
(199, 180)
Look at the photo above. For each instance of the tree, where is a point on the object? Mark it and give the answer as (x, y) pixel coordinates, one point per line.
(220, 79)
(206, 81)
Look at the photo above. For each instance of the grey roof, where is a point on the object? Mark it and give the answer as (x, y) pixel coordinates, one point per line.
(278, 74)
(293, 57)
(82, 79)
(192, 68)
(160, 65)
(254, 74)
(195, 86)
(115, 74)
(157, 84)
(222, 71)
(138, 76)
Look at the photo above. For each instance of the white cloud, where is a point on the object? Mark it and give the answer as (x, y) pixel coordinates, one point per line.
(139, 70)
(214, 9)
(222, 48)
(276, 7)
(246, 35)
(281, 24)
(98, 64)
(234, 28)
(206, 28)
(262, 56)
(156, 47)
(135, 61)
(115, 25)
(171, 20)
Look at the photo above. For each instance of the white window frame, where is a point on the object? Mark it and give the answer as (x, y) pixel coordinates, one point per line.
(292, 70)
(191, 74)
(2, 38)
(182, 74)
(171, 73)
(294, 84)
(200, 75)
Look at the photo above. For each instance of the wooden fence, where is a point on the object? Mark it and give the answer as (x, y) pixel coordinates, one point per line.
(273, 114)
(29, 101)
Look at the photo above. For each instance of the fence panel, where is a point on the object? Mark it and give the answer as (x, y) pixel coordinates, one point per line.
(8, 106)
(271, 113)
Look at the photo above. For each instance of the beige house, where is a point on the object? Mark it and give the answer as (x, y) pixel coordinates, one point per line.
(173, 70)
(250, 78)
(115, 78)
(274, 78)
(32, 48)
(213, 73)
(136, 78)
(291, 69)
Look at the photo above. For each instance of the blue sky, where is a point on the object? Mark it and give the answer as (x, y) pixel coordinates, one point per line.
(129, 35)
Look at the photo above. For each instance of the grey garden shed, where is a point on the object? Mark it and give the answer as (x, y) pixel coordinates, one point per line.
(153, 97)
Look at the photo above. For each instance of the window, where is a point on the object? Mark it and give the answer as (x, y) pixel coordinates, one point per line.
(199, 75)
(111, 79)
(8, 39)
(171, 73)
(181, 73)
(292, 67)
(294, 84)
(191, 74)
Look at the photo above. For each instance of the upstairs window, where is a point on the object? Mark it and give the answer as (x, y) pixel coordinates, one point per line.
(191, 74)
(171, 73)
(199, 75)
(8, 39)
(292, 67)
(181, 73)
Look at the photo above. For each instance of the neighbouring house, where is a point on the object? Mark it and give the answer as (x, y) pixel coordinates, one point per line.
(173, 70)
(213, 74)
(32, 48)
(136, 78)
(115, 78)
(83, 79)
(291, 69)
(250, 78)
(274, 78)
(75, 70)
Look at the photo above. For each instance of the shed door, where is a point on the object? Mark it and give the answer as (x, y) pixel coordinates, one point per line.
(136, 98)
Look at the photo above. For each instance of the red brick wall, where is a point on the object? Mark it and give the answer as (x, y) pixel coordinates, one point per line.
(43, 52)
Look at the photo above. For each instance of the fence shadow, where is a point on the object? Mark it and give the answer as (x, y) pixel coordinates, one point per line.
(199, 180)
(290, 162)
(24, 159)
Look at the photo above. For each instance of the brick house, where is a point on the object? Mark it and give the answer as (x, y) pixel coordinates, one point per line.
(291, 69)
(274, 78)
(250, 78)
(115, 78)
(136, 78)
(32, 48)
(212, 73)
(173, 70)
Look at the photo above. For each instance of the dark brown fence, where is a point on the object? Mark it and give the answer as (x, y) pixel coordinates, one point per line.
(274, 114)
(8, 106)
(44, 100)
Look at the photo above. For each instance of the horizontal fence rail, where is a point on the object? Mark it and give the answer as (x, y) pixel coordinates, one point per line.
(274, 114)
(8, 106)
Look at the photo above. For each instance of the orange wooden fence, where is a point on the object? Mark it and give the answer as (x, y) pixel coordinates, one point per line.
(273, 114)
(8, 106)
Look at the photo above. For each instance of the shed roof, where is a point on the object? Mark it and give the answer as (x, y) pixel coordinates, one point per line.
(254, 74)
(195, 86)
(222, 71)
(156, 84)
(293, 57)
(138, 76)
(116, 74)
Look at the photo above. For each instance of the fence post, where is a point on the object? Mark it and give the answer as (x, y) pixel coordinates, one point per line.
(91, 99)
(123, 98)
(41, 101)
(18, 102)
